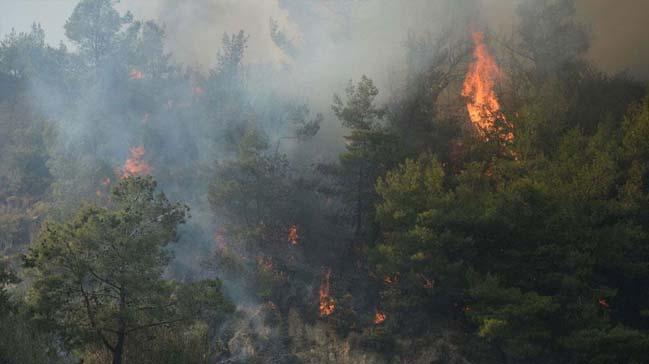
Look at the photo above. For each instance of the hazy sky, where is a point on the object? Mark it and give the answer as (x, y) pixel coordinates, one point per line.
(51, 14)
(619, 27)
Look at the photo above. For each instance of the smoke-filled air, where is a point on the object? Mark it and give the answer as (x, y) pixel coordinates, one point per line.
(324, 181)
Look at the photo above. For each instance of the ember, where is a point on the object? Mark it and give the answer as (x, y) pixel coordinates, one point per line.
(292, 234)
(391, 279)
(327, 303)
(379, 317)
(602, 302)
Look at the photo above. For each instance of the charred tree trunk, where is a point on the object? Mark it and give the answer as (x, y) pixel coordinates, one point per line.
(121, 330)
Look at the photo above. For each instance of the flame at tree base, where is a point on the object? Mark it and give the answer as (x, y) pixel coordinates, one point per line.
(327, 303)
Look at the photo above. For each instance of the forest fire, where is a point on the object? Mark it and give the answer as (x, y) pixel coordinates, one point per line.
(134, 165)
(379, 317)
(292, 234)
(327, 303)
(482, 103)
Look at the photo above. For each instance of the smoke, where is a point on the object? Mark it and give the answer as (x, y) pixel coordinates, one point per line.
(367, 31)
(340, 39)
(298, 50)
(195, 28)
(620, 32)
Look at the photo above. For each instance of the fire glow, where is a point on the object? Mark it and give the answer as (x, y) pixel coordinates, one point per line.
(292, 234)
(327, 303)
(136, 74)
(482, 103)
(135, 165)
(379, 317)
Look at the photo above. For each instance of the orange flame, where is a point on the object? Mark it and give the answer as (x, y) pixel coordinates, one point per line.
(327, 303)
(134, 165)
(292, 234)
(483, 105)
(391, 279)
(379, 317)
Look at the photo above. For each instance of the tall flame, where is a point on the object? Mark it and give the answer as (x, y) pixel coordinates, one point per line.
(327, 303)
(292, 234)
(478, 88)
(134, 165)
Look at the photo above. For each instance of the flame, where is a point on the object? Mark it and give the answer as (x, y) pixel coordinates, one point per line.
(391, 279)
(134, 165)
(136, 74)
(379, 317)
(483, 105)
(602, 302)
(327, 303)
(292, 234)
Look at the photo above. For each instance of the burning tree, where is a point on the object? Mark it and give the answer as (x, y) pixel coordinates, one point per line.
(327, 302)
(379, 317)
(135, 165)
(479, 90)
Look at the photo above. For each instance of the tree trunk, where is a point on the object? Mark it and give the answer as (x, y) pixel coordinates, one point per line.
(359, 204)
(121, 330)
(119, 349)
